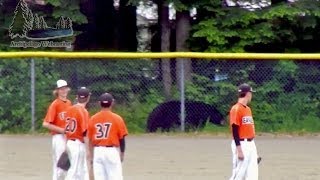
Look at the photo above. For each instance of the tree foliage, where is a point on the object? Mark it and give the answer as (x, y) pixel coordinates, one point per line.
(287, 95)
(19, 25)
(240, 30)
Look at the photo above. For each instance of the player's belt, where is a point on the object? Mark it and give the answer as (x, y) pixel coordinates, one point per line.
(76, 140)
(246, 139)
(104, 146)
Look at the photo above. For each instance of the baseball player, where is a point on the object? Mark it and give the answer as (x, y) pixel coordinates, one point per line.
(245, 165)
(107, 132)
(55, 122)
(76, 129)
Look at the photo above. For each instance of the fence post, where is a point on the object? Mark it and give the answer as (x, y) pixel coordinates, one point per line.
(32, 88)
(182, 95)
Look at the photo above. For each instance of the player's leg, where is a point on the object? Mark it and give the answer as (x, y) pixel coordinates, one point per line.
(234, 160)
(114, 164)
(252, 172)
(85, 167)
(58, 146)
(74, 152)
(54, 161)
(242, 165)
(99, 168)
(83, 170)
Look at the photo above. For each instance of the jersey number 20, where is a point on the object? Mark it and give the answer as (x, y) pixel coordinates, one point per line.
(71, 125)
(103, 130)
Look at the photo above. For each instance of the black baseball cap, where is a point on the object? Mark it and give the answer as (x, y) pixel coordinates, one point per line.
(106, 98)
(83, 92)
(244, 88)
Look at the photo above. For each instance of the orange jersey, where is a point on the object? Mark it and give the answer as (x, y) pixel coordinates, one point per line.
(56, 113)
(241, 115)
(106, 129)
(77, 118)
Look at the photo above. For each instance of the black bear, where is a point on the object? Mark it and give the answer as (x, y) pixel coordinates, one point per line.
(167, 116)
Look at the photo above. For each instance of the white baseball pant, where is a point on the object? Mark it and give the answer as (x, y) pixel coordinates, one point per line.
(77, 154)
(107, 163)
(58, 147)
(246, 169)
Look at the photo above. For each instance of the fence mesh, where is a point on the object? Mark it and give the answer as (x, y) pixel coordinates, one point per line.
(287, 94)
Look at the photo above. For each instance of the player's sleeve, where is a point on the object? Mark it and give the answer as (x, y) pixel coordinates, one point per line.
(123, 131)
(51, 113)
(90, 131)
(235, 116)
(84, 120)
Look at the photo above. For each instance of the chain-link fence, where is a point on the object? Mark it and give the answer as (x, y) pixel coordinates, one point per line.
(151, 96)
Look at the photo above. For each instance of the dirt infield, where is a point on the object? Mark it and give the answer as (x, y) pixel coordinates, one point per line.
(172, 158)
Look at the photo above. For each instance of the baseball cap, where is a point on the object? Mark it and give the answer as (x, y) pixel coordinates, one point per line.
(83, 92)
(61, 83)
(244, 88)
(106, 98)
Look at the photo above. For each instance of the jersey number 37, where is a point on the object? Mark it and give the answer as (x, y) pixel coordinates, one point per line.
(103, 130)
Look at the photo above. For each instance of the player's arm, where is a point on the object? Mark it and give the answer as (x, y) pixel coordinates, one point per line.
(123, 132)
(87, 138)
(47, 123)
(235, 123)
(52, 127)
(235, 134)
(122, 148)
(89, 149)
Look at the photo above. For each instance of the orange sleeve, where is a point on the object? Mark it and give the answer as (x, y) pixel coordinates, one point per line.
(51, 113)
(90, 129)
(123, 131)
(84, 120)
(235, 115)
(87, 119)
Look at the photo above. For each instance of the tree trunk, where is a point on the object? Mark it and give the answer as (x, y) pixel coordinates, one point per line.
(127, 27)
(183, 26)
(165, 47)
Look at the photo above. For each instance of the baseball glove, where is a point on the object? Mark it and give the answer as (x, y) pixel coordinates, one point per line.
(64, 162)
(259, 160)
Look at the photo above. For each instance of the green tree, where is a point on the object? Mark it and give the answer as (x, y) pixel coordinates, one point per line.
(30, 19)
(43, 24)
(272, 29)
(68, 23)
(36, 22)
(61, 24)
(20, 23)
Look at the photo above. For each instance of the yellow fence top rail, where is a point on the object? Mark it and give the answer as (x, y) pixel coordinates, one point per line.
(141, 55)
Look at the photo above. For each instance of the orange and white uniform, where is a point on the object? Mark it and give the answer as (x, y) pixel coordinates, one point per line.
(76, 127)
(56, 116)
(246, 169)
(105, 131)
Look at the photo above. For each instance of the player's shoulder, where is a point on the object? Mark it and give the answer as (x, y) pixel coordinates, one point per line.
(54, 102)
(96, 116)
(73, 109)
(69, 102)
(58, 102)
(116, 116)
(237, 107)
